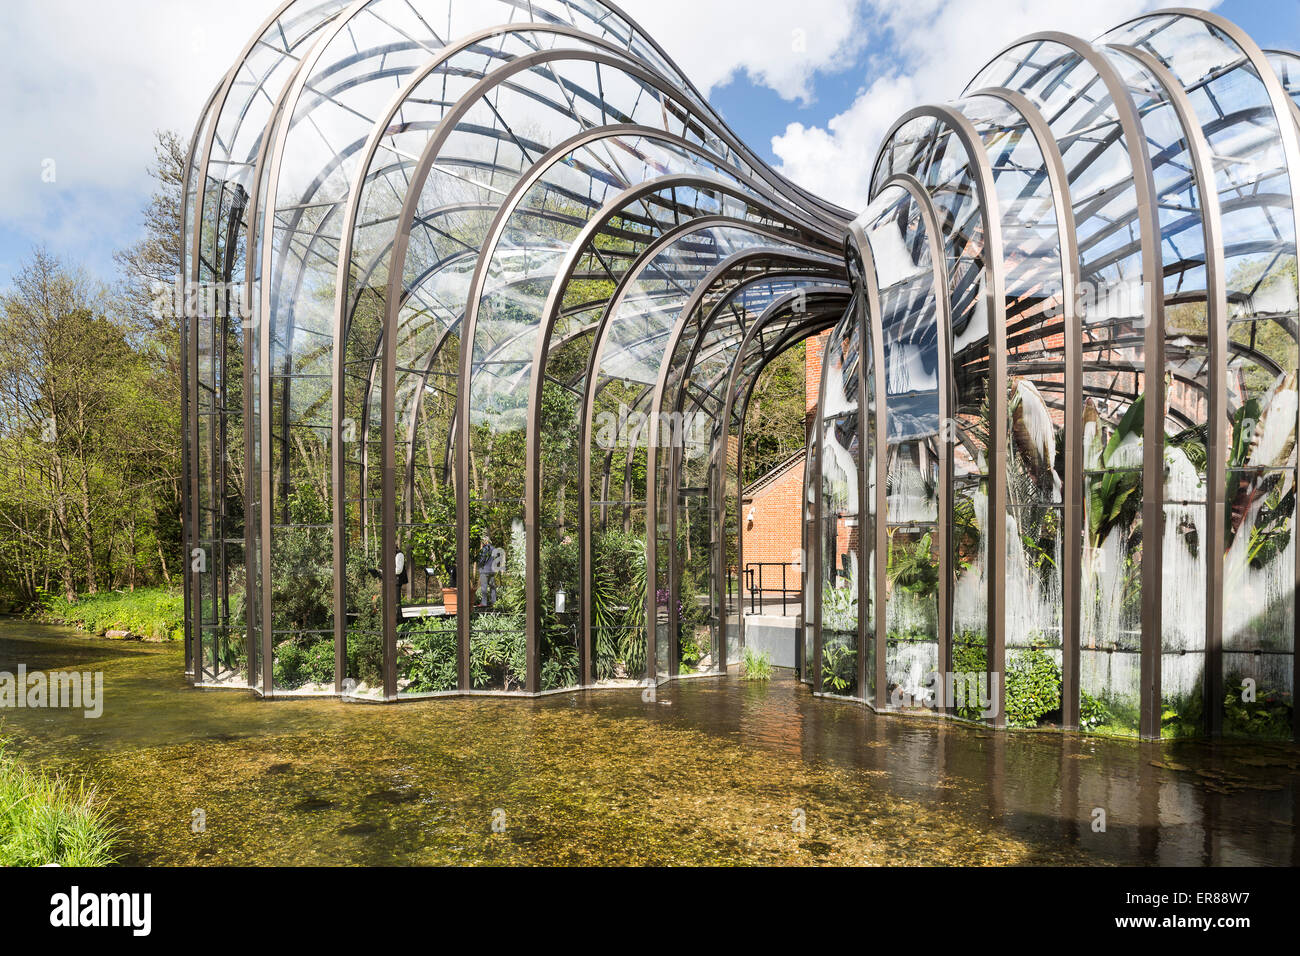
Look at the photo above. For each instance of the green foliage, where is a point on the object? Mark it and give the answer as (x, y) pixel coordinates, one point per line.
(840, 606)
(1033, 687)
(912, 566)
(619, 602)
(430, 664)
(1093, 714)
(691, 652)
(302, 565)
(560, 667)
(1268, 715)
(155, 613)
(498, 655)
(90, 464)
(433, 543)
(301, 661)
(1183, 716)
(775, 421)
(756, 667)
(839, 666)
(1113, 499)
(969, 656)
(47, 820)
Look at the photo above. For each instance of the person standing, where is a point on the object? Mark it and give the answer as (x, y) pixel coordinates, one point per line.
(487, 574)
(402, 579)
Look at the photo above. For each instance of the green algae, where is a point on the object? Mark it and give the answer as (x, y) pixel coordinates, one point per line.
(715, 772)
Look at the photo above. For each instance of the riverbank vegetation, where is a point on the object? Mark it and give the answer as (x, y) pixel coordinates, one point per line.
(45, 819)
(90, 422)
(151, 614)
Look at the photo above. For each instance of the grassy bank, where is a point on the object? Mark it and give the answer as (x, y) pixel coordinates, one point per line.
(155, 614)
(44, 819)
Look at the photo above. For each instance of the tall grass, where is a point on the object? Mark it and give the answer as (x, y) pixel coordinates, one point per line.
(756, 667)
(157, 613)
(44, 819)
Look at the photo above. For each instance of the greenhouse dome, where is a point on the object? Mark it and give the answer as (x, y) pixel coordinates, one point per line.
(480, 291)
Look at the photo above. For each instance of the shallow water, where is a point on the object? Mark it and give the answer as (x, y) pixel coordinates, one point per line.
(716, 771)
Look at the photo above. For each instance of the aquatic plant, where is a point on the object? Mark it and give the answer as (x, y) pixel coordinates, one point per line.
(756, 667)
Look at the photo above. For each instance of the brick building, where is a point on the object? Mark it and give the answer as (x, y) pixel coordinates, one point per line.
(772, 527)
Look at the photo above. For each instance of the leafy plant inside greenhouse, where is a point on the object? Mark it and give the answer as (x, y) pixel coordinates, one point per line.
(619, 604)
(839, 666)
(1268, 715)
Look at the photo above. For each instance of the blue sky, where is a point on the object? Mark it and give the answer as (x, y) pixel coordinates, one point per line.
(758, 113)
(811, 86)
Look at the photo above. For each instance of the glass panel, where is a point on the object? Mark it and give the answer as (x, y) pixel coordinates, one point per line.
(900, 248)
(1255, 190)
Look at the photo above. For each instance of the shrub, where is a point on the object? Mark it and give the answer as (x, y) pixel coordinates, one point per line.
(156, 613)
(498, 655)
(304, 661)
(1033, 687)
(1268, 715)
(431, 664)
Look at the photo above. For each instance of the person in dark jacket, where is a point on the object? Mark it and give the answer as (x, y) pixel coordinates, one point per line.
(486, 563)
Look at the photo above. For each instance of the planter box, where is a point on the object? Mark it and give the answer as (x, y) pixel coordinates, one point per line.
(450, 600)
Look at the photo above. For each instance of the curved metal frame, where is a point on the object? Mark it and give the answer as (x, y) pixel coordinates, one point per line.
(800, 239)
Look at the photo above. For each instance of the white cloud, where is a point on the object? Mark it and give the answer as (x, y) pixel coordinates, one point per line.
(86, 84)
(935, 47)
(779, 44)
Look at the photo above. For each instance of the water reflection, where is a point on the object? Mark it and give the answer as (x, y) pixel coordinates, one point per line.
(714, 771)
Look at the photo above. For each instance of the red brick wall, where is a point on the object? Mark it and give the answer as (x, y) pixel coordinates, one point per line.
(816, 349)
(775, 535)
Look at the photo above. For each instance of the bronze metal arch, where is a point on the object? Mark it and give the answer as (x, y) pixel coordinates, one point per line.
(720, 452)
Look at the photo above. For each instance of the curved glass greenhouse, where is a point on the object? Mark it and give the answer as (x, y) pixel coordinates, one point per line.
(480, 290)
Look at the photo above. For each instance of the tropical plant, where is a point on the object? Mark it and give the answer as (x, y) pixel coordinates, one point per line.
(1113, 494)
(1268, 715)
(840, 605)
(912, 566)
(619, 603)
(839, 667)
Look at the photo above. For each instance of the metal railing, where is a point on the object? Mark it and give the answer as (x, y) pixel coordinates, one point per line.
(758, 586)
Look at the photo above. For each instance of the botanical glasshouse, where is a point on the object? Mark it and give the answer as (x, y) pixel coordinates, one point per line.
(478, 292)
